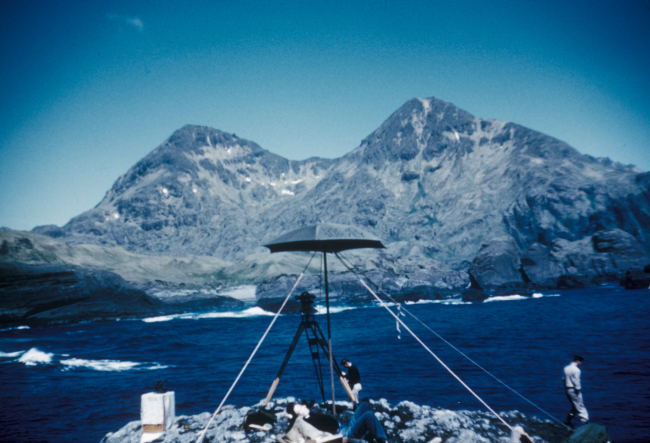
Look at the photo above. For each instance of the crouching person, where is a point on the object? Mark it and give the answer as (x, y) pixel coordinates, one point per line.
(362, 422)
(308, 425)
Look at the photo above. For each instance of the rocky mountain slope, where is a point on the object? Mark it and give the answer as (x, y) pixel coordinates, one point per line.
(433, 182)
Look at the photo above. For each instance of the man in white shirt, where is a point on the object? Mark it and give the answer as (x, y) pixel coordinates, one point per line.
(573, 392)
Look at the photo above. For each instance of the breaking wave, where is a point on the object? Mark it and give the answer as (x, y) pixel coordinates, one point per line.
(506, 298)
(17, 327)
(255, 311)
(333, 309)
(516, 297)
(107, 365)
(35, 357)
(449, 301)
(10, 354)
(159, 319)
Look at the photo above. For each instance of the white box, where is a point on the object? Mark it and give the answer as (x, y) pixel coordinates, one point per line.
(157, 412)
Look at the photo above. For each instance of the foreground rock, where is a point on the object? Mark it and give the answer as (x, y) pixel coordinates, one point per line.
(37, 295)
(405, 422)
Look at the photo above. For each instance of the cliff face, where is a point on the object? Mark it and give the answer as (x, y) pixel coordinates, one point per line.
(433, 182)
(46, 294)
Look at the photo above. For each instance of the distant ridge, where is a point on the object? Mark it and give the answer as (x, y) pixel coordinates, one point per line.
(432, 182)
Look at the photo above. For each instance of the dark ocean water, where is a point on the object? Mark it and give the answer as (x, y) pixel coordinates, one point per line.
(91, 376)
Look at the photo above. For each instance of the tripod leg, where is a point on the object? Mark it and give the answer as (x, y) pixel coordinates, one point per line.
(326, 349)
(284, 363)
(315, 358)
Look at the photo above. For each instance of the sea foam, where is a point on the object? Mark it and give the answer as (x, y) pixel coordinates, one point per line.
(108, 365)
(16, 327)
(34, 357)
(158, 319)
(10, 354)
(250, 312)
(333, 309)
(506, 298)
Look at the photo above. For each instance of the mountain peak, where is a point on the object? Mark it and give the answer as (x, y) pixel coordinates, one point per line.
(421, 126)
(432, 178)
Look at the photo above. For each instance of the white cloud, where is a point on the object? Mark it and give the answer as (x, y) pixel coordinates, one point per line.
(131, 21)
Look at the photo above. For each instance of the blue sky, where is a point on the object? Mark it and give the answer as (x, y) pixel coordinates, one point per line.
(89, 88)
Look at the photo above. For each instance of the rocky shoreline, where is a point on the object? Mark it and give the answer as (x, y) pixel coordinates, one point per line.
(43, 295)
(404, 422)
(46, 282)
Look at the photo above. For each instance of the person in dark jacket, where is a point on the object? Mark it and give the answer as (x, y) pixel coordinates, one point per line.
(351, 374)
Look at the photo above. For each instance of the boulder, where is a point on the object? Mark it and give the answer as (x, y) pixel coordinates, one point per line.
(604, 256)
(538, 268)
(524, 292)
(497, 264)
(619, 243)
(274, 305)
(636, 278)
(475, 296)
(590, 433)
(568, 281)
(417, 293)
(429, 284)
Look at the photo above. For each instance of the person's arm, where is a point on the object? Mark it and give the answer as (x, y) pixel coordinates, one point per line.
(576, 382)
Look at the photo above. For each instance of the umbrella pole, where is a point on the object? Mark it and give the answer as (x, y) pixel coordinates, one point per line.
(329, 333)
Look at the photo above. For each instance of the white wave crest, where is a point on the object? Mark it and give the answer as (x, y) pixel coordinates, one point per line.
(107, 365)
(34, 357)
(333, 309)
(11, 354)
(507, 298)
(449, 301)
(538, 295)
(157, 319)
(452, 301)
(17, 327)
(250, 312)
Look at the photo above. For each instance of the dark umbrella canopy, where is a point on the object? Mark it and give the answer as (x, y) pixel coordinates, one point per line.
(326, 237)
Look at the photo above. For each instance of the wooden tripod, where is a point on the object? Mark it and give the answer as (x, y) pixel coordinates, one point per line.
(317, 342)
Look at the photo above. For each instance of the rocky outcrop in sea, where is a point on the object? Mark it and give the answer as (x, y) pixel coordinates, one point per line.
(38, 295)
(405, 422)
(605, 256)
